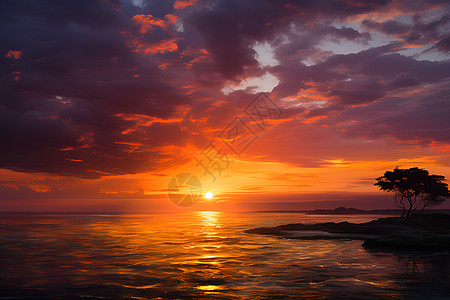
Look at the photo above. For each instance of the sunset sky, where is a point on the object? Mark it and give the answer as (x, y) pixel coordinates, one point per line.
(103, 102)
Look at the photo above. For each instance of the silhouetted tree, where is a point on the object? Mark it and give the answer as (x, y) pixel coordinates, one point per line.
(413, 188)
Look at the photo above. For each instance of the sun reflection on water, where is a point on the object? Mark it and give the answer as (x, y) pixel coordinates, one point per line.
(210, 222)
(209, 287)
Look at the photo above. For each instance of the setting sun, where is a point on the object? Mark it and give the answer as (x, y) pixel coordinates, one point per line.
(209, 195)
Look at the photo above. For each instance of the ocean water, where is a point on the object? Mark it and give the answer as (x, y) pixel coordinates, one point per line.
(195, 255)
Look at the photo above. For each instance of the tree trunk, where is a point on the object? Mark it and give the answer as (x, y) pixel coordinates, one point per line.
(410, 208)
(401, 205)
(412, 205)
(403, 209)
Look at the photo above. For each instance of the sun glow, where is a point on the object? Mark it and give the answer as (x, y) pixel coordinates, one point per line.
(209, 195)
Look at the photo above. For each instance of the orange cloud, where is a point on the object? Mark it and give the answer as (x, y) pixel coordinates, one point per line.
(144, 47)
(163, 66)
(14, 54)
(180, 4)
(16, 75)
(161, 47)
(200, 56)
(148, 22)
(314, 119)
(142, 120)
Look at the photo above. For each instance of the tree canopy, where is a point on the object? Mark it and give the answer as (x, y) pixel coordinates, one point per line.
(414, 188)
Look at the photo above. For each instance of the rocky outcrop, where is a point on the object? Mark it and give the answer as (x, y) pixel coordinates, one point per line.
(419, 231)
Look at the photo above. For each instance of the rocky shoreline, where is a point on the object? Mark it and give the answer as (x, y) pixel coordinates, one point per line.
(430, 231)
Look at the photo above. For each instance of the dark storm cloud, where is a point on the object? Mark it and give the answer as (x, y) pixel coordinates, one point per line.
(61, 13)
(419, 32)
(420, 118)
(388, 27)
(421, 121)
(381, 74)
(361, 77)
(444, 44)
(229, 29)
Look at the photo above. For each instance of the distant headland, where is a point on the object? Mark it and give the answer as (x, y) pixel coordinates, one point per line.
(355, 211)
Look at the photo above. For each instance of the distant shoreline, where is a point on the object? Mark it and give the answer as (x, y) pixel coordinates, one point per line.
(354, 211)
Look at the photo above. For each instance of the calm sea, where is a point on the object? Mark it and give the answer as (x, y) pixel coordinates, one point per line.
(201, 255)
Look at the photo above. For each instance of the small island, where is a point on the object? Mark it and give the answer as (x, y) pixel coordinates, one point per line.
(419, 231)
